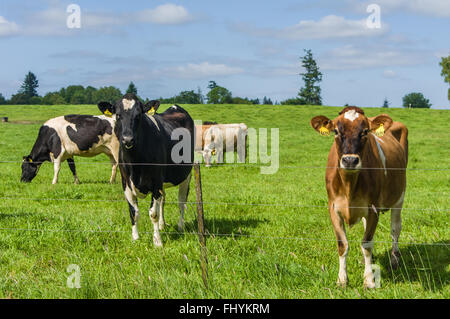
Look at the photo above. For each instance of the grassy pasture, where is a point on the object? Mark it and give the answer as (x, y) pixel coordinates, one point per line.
(275, 251)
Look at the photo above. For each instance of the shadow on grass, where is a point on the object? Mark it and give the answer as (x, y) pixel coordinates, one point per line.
(4, 215)
(223, 227)
(426, 264)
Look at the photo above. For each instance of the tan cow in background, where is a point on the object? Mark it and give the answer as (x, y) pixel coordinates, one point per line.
(213, 138)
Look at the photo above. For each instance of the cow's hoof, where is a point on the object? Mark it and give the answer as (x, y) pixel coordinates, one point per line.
(395, 260)
(342, 283)
(76, 182)
(135, 235)
(369, 284)
(180, 227)
(157, 241)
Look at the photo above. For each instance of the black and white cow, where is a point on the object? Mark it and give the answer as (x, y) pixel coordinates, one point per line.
(149, 146)
(63, 137)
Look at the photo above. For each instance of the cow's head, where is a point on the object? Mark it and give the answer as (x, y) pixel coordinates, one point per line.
(29, 169)
(128, 113)
(208, 152)
(351, 129)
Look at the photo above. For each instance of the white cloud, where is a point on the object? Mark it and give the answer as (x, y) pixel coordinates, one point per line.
(8, 28)
(165, 14)
(52, 21)
(435, 8)
(351, 57)
(330, 26)
(200, 70)
(389, 74)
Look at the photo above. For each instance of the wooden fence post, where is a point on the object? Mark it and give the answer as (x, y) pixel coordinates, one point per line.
(201, 224)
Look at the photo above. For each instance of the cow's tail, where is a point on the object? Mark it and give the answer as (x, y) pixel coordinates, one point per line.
(400, 132)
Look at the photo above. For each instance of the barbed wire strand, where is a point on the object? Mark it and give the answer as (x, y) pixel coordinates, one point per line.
(247, 165)
(212, 235)
(219, 203)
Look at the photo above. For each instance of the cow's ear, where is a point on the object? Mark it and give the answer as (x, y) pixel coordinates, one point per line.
(151, 107)
(106, 108)
(27, 159)
(322, 124)
(380, 124)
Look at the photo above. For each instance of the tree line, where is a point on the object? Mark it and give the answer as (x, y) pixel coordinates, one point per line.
(78, 94)
(309, 94)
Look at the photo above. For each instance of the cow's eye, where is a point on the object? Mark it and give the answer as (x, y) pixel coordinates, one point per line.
(365, 132)
(336, 131)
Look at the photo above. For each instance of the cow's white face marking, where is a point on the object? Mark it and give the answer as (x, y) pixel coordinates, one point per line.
(127, 104)
(351, 115)
(174, 107)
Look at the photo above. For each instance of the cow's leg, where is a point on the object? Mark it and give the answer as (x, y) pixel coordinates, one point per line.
(342, 245)
(114, 163)
(154, 217)
(241, 148)
(56, 168)
(183, 192)
(396, 227)
(134, 211)
(162, 221)
(71, 163)
(220, 155)
(207, 156)
(367, 247)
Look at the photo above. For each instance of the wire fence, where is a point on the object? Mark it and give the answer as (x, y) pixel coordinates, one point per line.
(259, 204)
(253, 165)
(212, 235)
(223, 203)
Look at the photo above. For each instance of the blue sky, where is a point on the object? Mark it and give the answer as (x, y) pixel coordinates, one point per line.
(250, 47)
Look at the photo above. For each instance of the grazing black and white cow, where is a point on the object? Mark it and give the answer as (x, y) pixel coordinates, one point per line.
(62, 137)
(149, 156)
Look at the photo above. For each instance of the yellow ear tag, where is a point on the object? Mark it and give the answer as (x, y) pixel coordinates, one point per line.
(107, 113)
(380, 131)
(151, 111)
(30, 160)
(324, 131)
(213, 152)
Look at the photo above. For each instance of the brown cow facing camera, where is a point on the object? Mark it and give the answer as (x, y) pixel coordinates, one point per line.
(365, 175)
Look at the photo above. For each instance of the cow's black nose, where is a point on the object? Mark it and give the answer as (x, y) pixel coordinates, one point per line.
(350, 161)
(127, 141)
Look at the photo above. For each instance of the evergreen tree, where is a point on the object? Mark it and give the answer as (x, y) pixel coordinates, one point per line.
(29, 85)
(310, 93)
(385, 103)
(2, 99)
(200, 96)
(267, 101)
(132, 88)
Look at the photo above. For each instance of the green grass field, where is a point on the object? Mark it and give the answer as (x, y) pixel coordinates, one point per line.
(268, 252)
